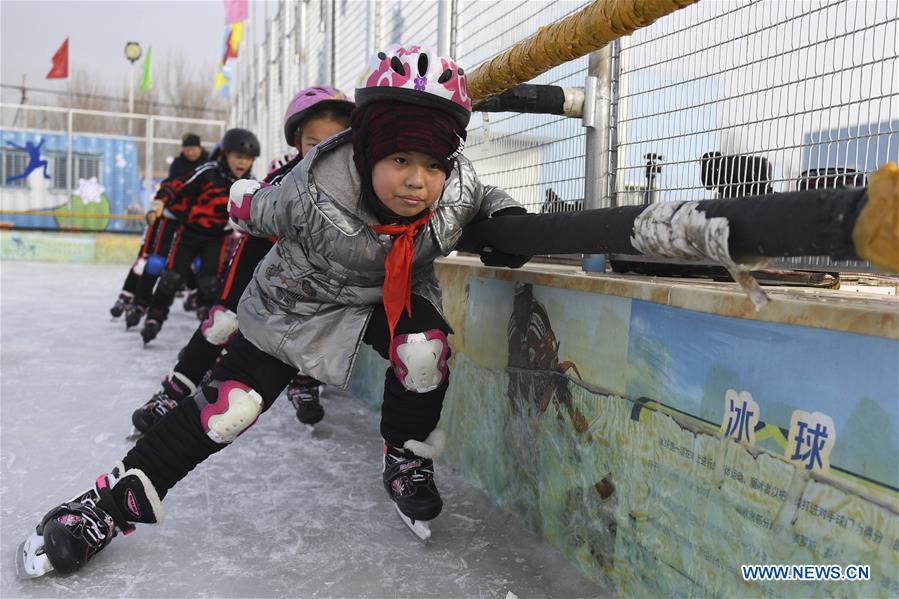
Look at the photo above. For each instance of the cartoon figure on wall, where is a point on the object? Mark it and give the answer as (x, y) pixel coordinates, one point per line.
(583, 514)
(55, 189)
(34, 160)
(534, 367)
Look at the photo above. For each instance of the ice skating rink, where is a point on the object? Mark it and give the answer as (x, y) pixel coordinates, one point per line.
(278, 514)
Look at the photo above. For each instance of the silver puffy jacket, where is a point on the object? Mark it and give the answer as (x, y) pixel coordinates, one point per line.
(312, 295)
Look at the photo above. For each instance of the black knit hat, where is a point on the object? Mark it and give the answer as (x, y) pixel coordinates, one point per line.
(382, 128)
(190, 139)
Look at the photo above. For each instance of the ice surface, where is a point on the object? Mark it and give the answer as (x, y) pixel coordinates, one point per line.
(279, 513)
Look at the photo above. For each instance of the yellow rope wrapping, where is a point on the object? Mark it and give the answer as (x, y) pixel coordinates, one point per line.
(876, 231)
(589, 29)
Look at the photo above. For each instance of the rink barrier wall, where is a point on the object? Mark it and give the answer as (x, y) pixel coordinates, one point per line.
(653, 430)
(68, 247)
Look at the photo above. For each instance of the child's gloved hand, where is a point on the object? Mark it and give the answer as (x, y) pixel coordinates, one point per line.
(491, 256)
(494, 257)
(240, 199)
(154, 212)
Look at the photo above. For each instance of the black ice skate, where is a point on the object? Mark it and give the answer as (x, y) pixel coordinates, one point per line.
(152, 326)
(408, 476)
(174, 389)
(190, 302)
(69, 535)
(303, 392)
(121, 304)
(133, 315)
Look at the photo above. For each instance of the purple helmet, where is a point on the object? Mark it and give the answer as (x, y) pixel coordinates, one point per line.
(318, 98)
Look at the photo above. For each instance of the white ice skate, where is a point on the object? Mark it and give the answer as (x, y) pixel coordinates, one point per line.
(31, 561)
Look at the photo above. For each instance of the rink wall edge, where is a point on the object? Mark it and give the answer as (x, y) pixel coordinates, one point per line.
(47, 246)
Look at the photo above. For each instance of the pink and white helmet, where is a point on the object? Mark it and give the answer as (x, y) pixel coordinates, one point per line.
(417, 75)
(317, 98)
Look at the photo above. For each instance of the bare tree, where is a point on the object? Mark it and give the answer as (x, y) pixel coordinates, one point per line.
(181, 89)
(86, 92)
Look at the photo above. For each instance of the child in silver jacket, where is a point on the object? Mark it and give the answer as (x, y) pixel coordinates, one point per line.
(360, 222)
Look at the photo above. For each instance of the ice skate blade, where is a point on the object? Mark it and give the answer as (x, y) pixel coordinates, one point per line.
(31, 561)
(420, 528)
(310, 428)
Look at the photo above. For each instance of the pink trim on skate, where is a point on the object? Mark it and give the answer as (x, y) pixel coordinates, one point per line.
(131, 503)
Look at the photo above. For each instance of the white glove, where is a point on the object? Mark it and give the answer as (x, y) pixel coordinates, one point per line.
(240, 199)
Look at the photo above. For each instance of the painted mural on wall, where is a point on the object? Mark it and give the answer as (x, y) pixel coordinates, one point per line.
(104, 180)
(684, 445)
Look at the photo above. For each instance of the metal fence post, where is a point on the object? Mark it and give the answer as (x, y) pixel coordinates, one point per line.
(614, 122)
(285, 59)
(302, 54)
(444, 27)
(69, 161)
(454, 29)
(370, 43)
(332, 33)
(148, 158)
(596, 120)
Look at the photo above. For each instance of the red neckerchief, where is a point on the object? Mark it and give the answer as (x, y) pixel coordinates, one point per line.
(398, 267)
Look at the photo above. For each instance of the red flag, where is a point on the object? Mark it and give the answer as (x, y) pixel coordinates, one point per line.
(60, 68)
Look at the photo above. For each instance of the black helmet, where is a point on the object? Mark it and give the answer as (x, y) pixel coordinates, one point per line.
(216, 151)
(240, 141)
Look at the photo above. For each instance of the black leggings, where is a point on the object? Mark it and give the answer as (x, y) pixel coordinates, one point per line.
(187, 245)
(199, 355)
(160, 242)
(178, 443)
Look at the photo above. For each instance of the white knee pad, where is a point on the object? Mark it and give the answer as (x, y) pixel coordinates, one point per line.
(236, 409)
(419, 360)
(220, 326)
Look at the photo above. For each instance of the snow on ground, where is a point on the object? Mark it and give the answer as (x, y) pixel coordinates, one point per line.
(280, 513)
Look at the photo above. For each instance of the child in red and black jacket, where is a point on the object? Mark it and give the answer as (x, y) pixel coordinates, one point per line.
(200, 203)
(167, 212)
(314, 114)
(141, 279)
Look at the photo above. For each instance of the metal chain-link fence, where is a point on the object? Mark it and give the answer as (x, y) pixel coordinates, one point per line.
(721, 99)
(538, 159)
(727, 99)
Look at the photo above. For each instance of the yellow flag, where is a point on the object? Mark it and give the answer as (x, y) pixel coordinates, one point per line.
(235, 38)
(220, 79)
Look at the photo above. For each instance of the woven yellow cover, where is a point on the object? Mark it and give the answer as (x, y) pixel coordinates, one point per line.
(587, 30)
(876, 232)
